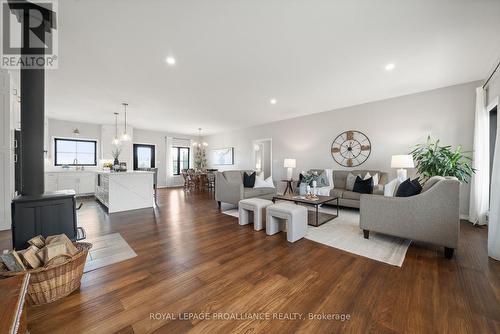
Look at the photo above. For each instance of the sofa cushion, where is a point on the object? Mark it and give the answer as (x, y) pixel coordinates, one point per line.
(257, 192)
(336, 192)
(233, 176)
(248, 180)
(350, 180)
(351, 195)
(322, 180)
(363, 186)
(409, 188)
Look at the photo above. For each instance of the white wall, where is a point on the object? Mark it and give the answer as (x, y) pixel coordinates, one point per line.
(394, 126)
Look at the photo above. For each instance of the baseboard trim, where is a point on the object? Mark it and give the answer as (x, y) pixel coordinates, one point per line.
(464, 217)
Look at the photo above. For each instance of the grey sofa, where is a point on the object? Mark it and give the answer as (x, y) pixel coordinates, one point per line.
(229, 188)
(349, 198)
(432, 216)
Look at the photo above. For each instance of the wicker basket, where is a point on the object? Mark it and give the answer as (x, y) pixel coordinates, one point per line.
(55, 281)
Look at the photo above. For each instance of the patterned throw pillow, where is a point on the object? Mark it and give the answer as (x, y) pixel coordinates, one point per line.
(349, 183)
(322, 180)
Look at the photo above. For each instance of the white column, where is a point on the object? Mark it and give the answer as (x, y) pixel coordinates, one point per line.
(6, 151)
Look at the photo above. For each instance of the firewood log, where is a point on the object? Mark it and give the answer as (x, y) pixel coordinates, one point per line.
(72, 250)
(38, 241)
(30, 258)
(12, 260)
(52, 250)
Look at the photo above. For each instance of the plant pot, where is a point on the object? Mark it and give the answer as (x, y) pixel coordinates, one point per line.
(303, 189)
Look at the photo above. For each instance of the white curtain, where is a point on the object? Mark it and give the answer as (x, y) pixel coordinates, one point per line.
(494, 219)
(480, 181)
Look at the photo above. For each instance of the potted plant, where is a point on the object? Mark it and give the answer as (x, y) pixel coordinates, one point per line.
(431, 159)
(116, 154)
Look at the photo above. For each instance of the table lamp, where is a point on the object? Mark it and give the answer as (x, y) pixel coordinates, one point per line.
(401, 162)
(290, 165)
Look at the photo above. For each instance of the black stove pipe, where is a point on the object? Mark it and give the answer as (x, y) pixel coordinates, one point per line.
(32, 131)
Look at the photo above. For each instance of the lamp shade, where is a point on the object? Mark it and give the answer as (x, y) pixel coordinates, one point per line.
(402, 161)
(289, 163)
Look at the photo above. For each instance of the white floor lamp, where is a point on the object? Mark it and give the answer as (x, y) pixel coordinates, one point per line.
(401, 162)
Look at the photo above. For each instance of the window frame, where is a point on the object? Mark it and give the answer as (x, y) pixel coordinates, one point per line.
(177, 148)
(153, 155)
(93, 141)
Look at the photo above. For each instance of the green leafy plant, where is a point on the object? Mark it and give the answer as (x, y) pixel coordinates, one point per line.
(431, 159)
(200, 159)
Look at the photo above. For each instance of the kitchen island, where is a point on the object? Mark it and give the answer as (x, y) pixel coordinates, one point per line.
(123, 191)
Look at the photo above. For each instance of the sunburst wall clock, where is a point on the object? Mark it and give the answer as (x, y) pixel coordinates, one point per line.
(351, 148)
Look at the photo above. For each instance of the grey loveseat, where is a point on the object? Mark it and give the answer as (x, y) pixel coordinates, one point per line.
(432, 216)
(229, 188)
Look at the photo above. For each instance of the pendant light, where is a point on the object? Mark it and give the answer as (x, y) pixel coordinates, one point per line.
(116, 140)
(199, 143)
(125, 135)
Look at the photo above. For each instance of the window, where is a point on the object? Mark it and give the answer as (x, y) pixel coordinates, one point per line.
(180, 159)
(75, 152)
(144, 156)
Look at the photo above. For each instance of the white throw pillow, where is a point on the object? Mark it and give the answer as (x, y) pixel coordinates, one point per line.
(390, 188)
(267, 183)
(329, 175)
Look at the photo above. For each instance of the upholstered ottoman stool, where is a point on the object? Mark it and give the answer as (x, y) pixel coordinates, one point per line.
(296, 220)
(258, 207)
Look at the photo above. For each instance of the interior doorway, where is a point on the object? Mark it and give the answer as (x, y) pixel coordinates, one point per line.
(263, 157)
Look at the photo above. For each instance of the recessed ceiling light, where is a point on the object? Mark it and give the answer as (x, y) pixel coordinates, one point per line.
(170, 60)
(273, 101)
(389, 67)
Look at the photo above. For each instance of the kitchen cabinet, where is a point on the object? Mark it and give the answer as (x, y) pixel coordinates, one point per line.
(82, 182)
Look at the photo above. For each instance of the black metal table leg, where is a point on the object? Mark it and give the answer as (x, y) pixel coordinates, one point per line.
(317, 214)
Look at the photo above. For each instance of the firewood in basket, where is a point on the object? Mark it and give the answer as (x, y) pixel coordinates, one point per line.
(30, 258)
(72, 250)
(52, 250)
(3, 267)
(12, 260)
(38, 241)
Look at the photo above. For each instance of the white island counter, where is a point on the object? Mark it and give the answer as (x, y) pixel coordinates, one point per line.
(122, 191)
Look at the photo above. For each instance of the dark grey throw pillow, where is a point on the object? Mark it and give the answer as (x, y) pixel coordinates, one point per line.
(363, 186)
(249, 180)
(409, 188)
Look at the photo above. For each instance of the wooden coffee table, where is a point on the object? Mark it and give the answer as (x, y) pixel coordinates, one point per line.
(315, 218)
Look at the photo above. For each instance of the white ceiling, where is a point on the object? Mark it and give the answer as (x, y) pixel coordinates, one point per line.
(233, 56)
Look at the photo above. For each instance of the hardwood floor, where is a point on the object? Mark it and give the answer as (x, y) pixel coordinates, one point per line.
(194, 259)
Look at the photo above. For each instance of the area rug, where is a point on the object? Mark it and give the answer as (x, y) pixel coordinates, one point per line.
(344, 233)
(106, 250)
